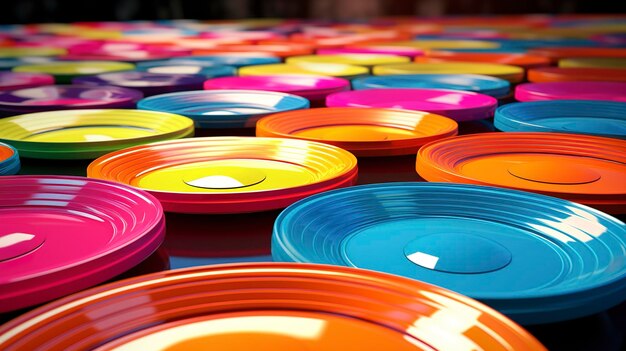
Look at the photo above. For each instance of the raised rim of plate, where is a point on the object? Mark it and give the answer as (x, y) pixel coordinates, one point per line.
(558, 74)
(326, 69)
(513, 74)
(9, 165)
(392, 302)
(571, 90)
(283, 125)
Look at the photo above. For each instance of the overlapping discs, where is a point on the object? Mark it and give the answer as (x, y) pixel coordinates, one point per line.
(108, 226)
(534, 258)
(64, 72)
(224, 108)
(205, 68)
(148, 83)
(87, 134)
(571, 90)
(580, 168)
(367, 60)
(266, 306)
(560, 74)
(513, 74)
(9, 160)
(15, 80)
(229, 174)
(318, 69)
(364, 132)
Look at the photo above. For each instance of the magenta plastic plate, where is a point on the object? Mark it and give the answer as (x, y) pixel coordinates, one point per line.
(609, 91)
(63, 234)
(458, 105)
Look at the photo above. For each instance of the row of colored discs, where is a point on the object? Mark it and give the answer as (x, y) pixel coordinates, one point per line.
(511, 219)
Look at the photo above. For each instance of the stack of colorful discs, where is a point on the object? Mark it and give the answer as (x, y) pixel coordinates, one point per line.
(208, 69)
(496, 87)
(313, 88)
(63, 97)
(367, 60)
(513, 74)
(9, 160)
(110, 228)
(458, 105)
(148, 83)
(514, 59)
(363, 132)
(560, 74)
(380, 49)
(229, 174)
(224, 108)
(64, 72)
(318, 69)
(266, 306)
(15, 80)
(534, 258)
(602, 118)
(580, 168)
(229, 60)
(87, 134)
(571, 90)
(594, 62)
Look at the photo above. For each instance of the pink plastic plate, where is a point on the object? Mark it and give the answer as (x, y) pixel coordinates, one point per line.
(62, 234)
(610, 91)
(458, 105)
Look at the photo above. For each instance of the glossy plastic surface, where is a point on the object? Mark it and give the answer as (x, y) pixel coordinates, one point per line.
(521, 60)
(87, 134)
(437, 44)
(601, 118)
(318, 69)
(9, 160)
(146, 82)
(279, 50)
(513, 74)
(580, 168)
(63, 72)
(30, 51)
(15, 80)
(379, 49)
(571, 90)
(487, 85)
(455, 104)
(266, 306)
(233, 60)
(364, 132)
(557, 53)
(229, 174)
(224, 108)
(561, 74)
(64, 234)
(65, 97)
(367, 60)
(534, 258)
(205, 68)
(594, 62)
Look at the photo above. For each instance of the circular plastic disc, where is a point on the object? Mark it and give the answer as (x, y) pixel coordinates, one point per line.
(205, 68)
(107, 227)
(455, 104)
(513, 59)
(572, 90)
(137, 55)
(364, 132)
(63, 72)
(266, 306)
(230, 60)
(581, 168)
(559, 74)
(224, 108)
(30, 51)
(601, 118)
(279, 50)
(445, 44)
(379, 49)
(367, 60)
(534, 258)
(85, 134)
(307, 86)
(63, 97)
(557, 53)
(146, 82)
(594, 62)
(9, 160)
(318, 69)
(15, 80)
(229, 174)
(487, 85)
(513, 74)
(7, 63)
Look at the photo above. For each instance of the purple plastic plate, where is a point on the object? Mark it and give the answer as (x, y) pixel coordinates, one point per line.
(19, 80)
(458, 105)
(63, 97)
(62, 234)
(146, 82)
(609, 91)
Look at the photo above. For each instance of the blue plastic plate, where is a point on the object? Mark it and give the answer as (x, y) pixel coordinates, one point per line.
(535, 258)
(225, 60)
(602, 118)
(492, 86)
(224, 108)
(10, 165)
(205, 68)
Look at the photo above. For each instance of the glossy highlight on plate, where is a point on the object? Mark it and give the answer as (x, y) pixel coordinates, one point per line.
(363, 132)
(537, 259)
(229, 174)
(571, 90)
(367, 60)
(110, 228)
(265, 306)
(87, 134)
(208, 69)
(458, 105)
(224, 108)
(318, 69)
(148, 83)
(581, 168)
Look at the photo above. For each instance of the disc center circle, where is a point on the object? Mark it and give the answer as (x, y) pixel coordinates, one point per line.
(224, 177)
(553, 172)
(16, 244)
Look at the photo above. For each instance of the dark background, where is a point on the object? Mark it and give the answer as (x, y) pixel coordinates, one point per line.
(40, 11)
